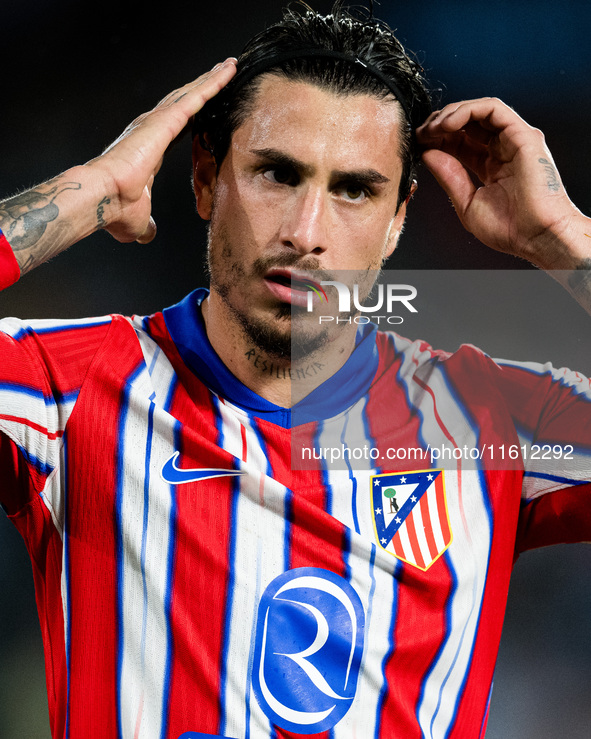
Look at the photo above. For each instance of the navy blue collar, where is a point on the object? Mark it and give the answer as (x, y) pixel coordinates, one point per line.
(187, 329)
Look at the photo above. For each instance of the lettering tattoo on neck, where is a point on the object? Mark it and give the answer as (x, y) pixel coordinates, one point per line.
(551, 175)
(266, 366)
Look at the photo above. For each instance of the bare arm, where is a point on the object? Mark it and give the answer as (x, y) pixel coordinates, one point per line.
(45, 220)
(112, 191)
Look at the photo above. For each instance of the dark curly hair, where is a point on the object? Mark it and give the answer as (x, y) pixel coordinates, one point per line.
(362, 36)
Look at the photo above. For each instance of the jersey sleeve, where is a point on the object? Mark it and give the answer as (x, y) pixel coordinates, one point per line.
(9, 269)
(551, 409)
(42, 369)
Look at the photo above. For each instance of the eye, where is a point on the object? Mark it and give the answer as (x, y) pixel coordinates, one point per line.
(352, 191)
(280, 175)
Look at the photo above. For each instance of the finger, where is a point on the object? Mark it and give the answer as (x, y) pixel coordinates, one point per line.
(480, 132)
(491, 112)
(473, 155)
(174, 112)
(452, 177)
(473, 138)
(149, 234)
(175, 94)
(484, 120)
(150, 231)
(473, 129)
(192, 96)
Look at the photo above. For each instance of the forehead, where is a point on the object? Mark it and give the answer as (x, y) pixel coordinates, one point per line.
(317, 125)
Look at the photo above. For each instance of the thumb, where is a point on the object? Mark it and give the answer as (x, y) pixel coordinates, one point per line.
(452, 176)
(149, 233)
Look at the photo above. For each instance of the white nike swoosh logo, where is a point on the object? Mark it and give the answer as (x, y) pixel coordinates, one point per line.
(174, 475)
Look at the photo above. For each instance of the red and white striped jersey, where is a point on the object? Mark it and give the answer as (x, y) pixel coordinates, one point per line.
(191, 577)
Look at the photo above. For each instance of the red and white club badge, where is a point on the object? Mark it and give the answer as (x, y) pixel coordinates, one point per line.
(409, 511)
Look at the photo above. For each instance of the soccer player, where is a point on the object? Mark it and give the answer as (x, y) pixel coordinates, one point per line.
(191, 579)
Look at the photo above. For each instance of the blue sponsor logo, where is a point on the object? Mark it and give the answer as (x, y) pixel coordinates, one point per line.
(309, 643)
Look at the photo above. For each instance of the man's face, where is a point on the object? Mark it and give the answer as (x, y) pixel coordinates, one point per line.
(310, 182)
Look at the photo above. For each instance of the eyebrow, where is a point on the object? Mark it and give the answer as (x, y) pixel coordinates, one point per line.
(366, 176)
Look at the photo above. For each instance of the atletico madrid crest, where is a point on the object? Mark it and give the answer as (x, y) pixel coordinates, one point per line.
(410, 515)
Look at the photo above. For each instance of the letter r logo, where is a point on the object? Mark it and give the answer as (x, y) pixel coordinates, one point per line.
(309, 643)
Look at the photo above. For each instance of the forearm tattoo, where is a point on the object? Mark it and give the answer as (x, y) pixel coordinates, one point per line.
(24, 219)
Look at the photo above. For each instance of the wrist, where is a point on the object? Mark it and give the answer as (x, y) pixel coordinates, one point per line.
(47, 219)
(101, 203)
(121, 201)
(563, 247)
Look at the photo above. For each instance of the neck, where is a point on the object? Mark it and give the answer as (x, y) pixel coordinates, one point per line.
(281, 381)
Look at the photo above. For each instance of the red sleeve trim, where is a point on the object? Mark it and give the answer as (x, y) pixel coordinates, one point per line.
(9, 269)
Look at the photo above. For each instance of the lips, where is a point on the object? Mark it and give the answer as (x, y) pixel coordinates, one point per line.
(292, 287)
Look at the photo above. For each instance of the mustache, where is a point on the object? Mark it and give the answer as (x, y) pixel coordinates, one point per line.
(262, 265)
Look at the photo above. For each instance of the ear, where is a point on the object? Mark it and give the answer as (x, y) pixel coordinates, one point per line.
(398, 223)
(204, 179)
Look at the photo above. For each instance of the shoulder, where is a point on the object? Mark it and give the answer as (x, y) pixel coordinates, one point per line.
(18, 328)
(57, 352)
(419, 353)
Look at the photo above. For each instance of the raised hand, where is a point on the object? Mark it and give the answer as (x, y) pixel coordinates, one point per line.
(518, 205)
(112, 191)
(130, 164)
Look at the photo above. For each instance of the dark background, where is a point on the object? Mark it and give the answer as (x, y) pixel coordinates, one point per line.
(75, 74)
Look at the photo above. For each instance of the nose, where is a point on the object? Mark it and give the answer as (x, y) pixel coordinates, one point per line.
(305, 225)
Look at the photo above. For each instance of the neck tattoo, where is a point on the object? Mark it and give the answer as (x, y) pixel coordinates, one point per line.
(266, 366)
